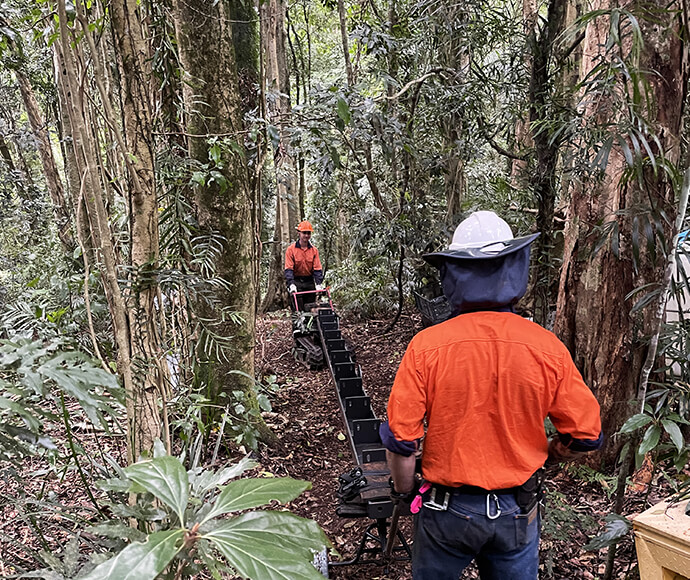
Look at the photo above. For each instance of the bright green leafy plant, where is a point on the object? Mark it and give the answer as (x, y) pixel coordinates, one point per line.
(184, 514)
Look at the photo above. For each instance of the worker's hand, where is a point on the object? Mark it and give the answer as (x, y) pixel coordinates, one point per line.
(292, 288)
(403, 496)
(559, 453)
(319, 286)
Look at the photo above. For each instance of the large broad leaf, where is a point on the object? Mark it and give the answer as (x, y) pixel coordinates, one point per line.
(674, 432)
(141, 561)
(249, 493)
(635, 422)
(650, 439)
(166, 479)
(270, 545)
(617, 527)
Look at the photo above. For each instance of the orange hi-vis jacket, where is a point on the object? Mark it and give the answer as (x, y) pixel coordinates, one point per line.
(485, 382)
(302, 261)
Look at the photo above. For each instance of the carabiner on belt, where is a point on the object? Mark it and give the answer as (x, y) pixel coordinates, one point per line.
(489, 498)
(434, 504)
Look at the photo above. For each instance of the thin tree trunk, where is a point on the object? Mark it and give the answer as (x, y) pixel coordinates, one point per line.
(278, 111)
(52, 177)
(546, 149)
(344, 40)
(71, 162)
(98, 217)
(454, 58)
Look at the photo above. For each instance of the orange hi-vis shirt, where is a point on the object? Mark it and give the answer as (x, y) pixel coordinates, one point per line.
(485, 382)
(302, 261)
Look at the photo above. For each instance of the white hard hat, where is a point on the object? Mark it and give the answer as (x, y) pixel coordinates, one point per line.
(482, 228)
(483, 235)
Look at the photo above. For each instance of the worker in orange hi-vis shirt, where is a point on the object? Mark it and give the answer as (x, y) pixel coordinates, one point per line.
(303, 271)
(484, 381)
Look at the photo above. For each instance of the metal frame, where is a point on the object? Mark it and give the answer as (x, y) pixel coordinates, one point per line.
(362, 430)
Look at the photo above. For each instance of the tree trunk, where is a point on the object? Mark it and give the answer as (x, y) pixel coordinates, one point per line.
(245, 40)
(543, 180)
(90, 192)
(344, 40)
(278, 111)
(452, 124)
(52, 177)
(212, 98)
(594, 318)
(137, 149)
(71, 162)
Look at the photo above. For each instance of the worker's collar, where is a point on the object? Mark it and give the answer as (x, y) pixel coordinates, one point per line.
(299, 246)
(504, 308)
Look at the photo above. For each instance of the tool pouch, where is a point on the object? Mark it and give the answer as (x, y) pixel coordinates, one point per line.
(530, 493)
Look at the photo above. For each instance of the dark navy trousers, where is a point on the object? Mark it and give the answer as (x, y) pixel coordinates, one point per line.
(505, 546)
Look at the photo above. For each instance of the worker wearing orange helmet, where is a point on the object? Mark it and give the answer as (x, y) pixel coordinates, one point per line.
(478, 388)
(303, 271)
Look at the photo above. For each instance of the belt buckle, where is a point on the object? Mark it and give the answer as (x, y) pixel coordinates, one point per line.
(432, 504)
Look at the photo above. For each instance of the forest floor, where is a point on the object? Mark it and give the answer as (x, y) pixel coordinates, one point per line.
(313, 446)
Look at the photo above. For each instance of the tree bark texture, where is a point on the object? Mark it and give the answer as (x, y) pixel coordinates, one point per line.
(454, 58)
(278, 110)
(245, 37)
(212, 100)
(69, 155)
(594, 318)
(136, 80)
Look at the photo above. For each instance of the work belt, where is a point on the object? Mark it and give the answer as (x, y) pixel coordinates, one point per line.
(527, 495)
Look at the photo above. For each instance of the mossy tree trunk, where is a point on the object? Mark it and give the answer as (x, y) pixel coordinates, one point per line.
(213, 108)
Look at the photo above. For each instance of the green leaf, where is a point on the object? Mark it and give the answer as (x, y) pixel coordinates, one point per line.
(159, 449)
(626, 150)
(650, 439)
(674, 432)
(344, 111)
(617, 527)
(119, 485)
(203, 480)
(250, 493)
(264, 402)
(166, 479)
(635, 422)
(273, 135)
(199, 178)
(214, 153)
(270, 545)
(141, 561)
